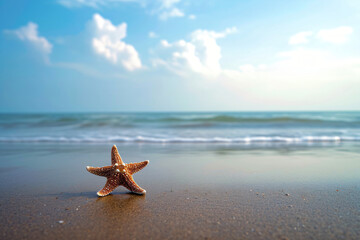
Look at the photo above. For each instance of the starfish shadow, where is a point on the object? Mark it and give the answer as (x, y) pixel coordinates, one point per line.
(121, 198)
(123, 205)
(92, 195)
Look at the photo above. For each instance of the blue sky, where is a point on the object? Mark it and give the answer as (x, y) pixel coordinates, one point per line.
(178, 55)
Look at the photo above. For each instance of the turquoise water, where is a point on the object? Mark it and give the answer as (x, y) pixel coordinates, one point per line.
(211, 127)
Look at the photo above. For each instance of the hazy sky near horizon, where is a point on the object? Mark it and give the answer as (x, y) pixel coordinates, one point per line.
(179, 55)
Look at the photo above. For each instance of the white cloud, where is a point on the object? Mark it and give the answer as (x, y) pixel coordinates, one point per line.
(107, 42)
(201, 54)
(165, 9)
(153, 35)
(300, 38)
(192, 17)
(165, 43)
(303, 76)
(335, 35)
(174, 12)
(29, 33)
(168, 9)
(168, 3)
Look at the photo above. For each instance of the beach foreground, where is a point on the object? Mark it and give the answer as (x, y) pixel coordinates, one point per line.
(193, 191)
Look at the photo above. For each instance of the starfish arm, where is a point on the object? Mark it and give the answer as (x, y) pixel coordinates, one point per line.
(130, 184)
(135, 167)
(101, 171)
(110, 186)
(115, 156)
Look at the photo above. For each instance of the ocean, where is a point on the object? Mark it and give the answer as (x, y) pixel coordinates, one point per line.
(248, 128)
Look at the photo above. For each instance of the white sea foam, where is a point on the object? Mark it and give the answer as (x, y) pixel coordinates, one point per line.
(145, 139)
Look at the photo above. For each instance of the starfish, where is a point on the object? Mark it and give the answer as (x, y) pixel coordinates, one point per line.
(118, 174)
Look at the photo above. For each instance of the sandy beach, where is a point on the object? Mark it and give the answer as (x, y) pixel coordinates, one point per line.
(241, 119)
(193, 191)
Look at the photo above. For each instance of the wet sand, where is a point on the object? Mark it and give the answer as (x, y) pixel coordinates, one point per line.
(194, 192)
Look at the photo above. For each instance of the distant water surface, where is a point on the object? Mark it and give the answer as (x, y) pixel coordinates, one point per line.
(212, 127)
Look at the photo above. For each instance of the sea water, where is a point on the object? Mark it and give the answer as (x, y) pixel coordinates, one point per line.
(249, 128)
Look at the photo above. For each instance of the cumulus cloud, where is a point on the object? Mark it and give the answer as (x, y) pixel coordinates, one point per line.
(29, 33)
(201, 54)
(168, 9)
(336, 35)
(107, 42)
(300, 38)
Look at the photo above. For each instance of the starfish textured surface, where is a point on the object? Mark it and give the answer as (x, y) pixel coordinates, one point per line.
(118, 174)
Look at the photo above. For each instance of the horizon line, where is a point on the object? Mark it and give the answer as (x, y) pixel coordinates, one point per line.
(171, 111)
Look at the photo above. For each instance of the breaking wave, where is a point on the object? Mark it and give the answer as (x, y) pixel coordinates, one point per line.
(140, 139)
